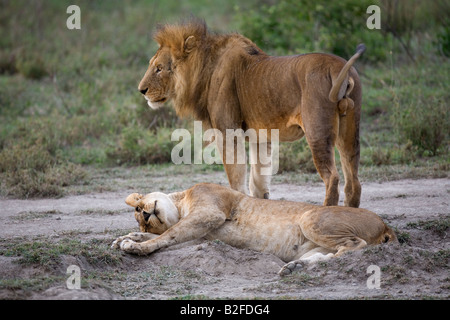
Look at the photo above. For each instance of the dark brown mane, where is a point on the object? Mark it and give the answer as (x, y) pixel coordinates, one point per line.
(174, 35)
(191, 95)
(195, 69)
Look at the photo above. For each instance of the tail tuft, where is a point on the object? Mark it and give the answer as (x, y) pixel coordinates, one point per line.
(360, 48)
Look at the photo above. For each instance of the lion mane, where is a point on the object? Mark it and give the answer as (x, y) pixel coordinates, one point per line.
(197, 66)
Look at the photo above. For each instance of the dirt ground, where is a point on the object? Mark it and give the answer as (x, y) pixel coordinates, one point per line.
(416, 268)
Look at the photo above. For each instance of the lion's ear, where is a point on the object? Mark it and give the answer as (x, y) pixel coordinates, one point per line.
(189, 44)
(133, 199)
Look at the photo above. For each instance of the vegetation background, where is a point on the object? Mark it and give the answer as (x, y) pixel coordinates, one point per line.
(69, 105)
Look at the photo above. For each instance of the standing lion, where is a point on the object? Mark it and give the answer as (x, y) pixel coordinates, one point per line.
(227, 82)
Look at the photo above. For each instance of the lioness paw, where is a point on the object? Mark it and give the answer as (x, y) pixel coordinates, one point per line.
(128, 245)
(131, 246)
(116, 243)
(290, 267)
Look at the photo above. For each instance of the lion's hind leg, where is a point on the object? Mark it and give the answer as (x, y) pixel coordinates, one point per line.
(349, 150)
(321, 130)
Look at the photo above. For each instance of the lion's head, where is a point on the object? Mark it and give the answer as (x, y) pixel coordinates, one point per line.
(154, 212)
(174, 70)
(157, 83)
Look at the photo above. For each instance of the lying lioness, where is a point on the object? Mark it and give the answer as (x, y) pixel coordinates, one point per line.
(293, 231)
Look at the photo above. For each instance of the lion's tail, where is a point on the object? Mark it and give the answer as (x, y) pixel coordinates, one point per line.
(343, 86)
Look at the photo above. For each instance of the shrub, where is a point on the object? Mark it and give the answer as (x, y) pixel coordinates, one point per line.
(443, 41)
(295, 156)
(389, 154)
(138, 146)
(298, 26)
(426, 125)
(7, 63)
(31, 171)
(18, 158)
(31, 67)
(420, 111)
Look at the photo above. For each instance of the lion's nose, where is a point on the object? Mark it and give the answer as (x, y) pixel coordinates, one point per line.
(144, 91)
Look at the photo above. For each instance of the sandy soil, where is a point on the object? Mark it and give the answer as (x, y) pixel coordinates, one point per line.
(418, 268)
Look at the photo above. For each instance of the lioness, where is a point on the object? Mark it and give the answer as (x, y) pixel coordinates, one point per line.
(227, 82)
(293, 231)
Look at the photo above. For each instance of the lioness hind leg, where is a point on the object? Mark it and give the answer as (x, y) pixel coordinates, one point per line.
(322, 254)
(312, 256)
(350, 244)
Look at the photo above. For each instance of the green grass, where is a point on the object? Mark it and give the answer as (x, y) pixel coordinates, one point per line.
(439, 226)
(30, 215)
(37, 283)
(47, 253)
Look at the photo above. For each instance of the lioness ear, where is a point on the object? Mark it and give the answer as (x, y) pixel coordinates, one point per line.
(189, 44)
(133, 199)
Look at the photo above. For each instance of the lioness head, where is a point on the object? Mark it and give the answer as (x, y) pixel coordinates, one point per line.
(165, 73)
(154, 212)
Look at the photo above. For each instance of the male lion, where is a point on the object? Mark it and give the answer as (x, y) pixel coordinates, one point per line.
(227, 82)
(293, 231)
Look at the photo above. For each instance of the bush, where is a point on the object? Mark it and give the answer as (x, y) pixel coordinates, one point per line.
(33, 172)
(425, 122)
(137, 146)
(32, 162)
(420, 110)
(31, 67)
(296, 156)
(19, 158)
(388, 155)
(299, 26)
(443, 41)
(7, 63)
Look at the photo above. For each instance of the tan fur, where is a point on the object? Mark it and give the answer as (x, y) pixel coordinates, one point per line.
(290, 230)
(227, 82)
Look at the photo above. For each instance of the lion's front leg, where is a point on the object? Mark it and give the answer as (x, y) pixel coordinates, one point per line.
(133, 236)
(234, 162)
(261, 169)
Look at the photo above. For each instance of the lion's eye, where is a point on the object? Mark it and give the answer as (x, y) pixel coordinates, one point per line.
(158, 69)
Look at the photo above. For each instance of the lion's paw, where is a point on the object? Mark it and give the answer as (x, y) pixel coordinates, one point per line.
(290, 267)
